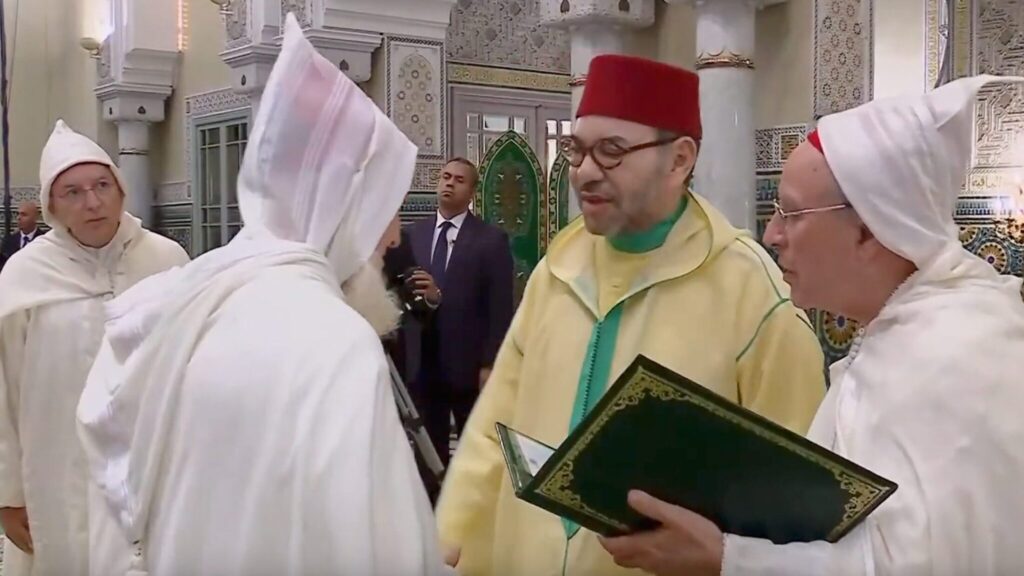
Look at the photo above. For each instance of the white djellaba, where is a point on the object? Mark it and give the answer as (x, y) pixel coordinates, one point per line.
(240, 419)
(52, 294)
(931, 393)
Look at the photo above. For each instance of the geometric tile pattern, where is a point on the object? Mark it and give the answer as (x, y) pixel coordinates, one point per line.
(416, 86)
(773, 146)
(506, 33)
(417, 206)
(843, 54)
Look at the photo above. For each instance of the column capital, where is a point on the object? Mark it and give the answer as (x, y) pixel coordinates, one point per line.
(610, 13)
(428, 19)
(133, 102)
(137, 63)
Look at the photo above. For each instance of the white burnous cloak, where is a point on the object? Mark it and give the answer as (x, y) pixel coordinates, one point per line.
(931, 393)
(240, 418)
(51, 323)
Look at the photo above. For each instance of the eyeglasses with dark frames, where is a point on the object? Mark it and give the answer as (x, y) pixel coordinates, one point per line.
(607, 153)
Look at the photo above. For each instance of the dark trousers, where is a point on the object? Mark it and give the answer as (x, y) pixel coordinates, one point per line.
(440, 403)
(437, 402)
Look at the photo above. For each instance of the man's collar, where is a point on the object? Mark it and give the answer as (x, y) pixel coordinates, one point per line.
(456, 220)
(29, 234)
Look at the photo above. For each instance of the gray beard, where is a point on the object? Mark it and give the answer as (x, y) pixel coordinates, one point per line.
(366, 292)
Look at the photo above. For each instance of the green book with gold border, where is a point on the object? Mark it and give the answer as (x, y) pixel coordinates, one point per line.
(662, 433)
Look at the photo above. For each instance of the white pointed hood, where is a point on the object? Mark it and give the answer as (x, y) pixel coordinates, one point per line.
(322, 159)
(65, 149)
(324, 174)
(901, 163)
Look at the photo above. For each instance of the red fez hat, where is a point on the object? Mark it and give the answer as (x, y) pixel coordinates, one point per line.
(643, 91)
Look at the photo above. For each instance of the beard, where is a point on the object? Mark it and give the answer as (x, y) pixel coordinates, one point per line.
(366, 292)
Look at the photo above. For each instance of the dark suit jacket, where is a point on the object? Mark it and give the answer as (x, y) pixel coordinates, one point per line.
(12, 243)
(476, 305)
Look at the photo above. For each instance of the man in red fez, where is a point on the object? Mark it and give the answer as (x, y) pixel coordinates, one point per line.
(929, 397)
(651, 268)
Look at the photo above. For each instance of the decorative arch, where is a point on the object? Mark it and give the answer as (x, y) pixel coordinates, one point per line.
(558, 197)
(509, 196)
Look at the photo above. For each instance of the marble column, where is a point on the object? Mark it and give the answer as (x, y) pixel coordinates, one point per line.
(725, 171)
(585, 42)
(135, 75)
(595, 27)
(133, 160)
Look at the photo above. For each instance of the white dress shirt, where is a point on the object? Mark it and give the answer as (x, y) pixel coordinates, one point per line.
(453, 233)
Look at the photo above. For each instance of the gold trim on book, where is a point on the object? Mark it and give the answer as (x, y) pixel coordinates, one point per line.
(723, 59)
(863, 492)
(507, 78)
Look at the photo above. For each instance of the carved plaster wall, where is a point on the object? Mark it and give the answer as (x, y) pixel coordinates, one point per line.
(984, 37)
(506, 33)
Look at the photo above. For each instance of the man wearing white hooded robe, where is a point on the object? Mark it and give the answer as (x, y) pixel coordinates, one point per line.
(240, 418)
(51, 323)
(931, 393)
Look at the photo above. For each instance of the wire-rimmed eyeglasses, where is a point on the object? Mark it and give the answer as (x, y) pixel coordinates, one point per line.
(786, 214)
(606, 153)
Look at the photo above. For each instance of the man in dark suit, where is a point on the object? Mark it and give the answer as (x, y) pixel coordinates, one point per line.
(28, 215)
(469, 262)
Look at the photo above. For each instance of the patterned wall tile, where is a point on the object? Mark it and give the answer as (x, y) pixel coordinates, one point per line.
(506, 33)
(843, 54)
(774, 145)
(417, 206)
(427, 173)
(416, 87)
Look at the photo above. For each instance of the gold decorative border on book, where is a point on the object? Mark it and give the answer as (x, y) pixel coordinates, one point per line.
(863, 491)
(507, 78)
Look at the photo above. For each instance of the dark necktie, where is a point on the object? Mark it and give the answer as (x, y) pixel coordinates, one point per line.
(24, 240)
(439, 261)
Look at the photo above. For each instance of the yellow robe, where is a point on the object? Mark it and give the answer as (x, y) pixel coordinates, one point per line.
(709, 303)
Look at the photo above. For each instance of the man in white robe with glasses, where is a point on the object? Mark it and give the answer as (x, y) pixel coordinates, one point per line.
(931, 393)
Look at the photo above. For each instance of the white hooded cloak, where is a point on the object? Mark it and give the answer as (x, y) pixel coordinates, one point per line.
(240, 419)
(51, 324)
(931, 393)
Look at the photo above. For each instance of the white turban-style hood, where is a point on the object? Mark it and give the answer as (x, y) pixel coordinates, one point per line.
(902, 161)
(66, 149)
(324, 166)
(324, 174)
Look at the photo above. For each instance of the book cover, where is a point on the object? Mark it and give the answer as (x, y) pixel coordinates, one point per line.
(657, 431)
